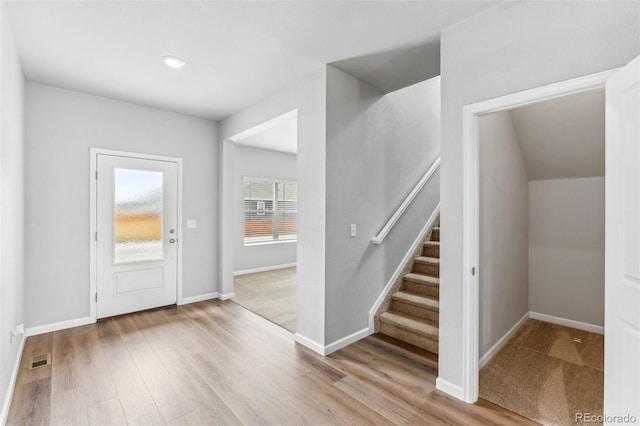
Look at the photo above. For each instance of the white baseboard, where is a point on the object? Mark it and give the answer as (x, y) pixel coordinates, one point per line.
(6, 404)
(567, 322)
(305, 341)
(226, 296)
(398, 271)
(41, 329)
(264, 269)
(332, 347)
(448, 387)
(199, 298)
(347, 340)
(500, 343)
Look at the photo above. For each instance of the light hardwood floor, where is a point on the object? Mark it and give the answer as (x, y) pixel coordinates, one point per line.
(270, 294)
(217, 363)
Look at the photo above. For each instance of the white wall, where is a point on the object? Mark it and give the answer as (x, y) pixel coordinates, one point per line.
(504, 228)
(261, 163)
(566, 253)
(61, 125)
(12, 289)
(378, 148)
(513, 47)
(308, 96)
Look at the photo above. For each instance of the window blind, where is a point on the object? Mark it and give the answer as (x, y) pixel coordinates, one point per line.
(270, 210)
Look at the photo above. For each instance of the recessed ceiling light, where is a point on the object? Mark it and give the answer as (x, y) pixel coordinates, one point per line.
(173, 61)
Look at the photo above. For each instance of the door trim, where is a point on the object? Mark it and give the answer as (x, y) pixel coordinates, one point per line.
(93, 253)
(470, 211)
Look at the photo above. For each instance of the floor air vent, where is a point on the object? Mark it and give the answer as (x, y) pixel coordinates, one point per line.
(38, 361)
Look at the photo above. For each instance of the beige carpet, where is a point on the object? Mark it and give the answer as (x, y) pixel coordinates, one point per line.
(270, 294)
(544, 374)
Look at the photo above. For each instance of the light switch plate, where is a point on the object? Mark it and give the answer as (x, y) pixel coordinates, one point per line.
(191, 224)
(353, 229)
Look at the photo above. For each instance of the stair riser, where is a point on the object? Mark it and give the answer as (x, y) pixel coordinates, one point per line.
(427, 290)
(435, 235)
(409, 337)
(427, 269)
(431, 251)
(416, 311)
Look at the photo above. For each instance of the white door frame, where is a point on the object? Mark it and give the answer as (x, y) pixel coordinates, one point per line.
(470, 206)
(93, 252)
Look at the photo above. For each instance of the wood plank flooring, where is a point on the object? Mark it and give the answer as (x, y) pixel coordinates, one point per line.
(270, 294)
(217, 363)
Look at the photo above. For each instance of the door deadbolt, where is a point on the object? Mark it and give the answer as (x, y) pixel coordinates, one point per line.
(172, 231)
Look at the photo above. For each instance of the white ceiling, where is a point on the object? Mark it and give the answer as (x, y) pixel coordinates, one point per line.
(237, 52)
(563, 138)
(279, 134)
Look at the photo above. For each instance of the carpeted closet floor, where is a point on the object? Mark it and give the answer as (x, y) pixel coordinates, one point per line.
(547, 373)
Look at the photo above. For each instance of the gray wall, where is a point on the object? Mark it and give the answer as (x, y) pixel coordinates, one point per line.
(308, 96)
(262, 163)
(61, 125)
(359, 155)
(513, 47)
(566, 253)
(378, 148)
(504, 227)
(12, 289)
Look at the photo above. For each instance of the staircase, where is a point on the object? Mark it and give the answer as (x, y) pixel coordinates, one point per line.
(414, 310)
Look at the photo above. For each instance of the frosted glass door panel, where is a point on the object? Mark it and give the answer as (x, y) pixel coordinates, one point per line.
(138, 213)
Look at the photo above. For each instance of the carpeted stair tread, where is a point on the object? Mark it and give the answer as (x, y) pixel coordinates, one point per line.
(422, 279)
(427, 260)
(413, 308)
(416, 299)
(415, 325)
(435, 233)
(431, 249)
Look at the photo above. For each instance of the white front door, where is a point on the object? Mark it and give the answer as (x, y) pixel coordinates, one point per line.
(137, 205)
(622, 267)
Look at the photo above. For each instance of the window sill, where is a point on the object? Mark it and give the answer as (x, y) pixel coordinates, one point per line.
(265, 243)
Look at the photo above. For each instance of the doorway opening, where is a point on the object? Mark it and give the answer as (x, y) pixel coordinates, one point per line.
(265, 217)
(542, 257)
(471, 212)
(622, 231)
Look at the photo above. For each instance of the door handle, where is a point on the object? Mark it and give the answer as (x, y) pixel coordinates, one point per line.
(172, 241)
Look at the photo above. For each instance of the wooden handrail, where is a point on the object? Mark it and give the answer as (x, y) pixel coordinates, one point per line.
(378, 239)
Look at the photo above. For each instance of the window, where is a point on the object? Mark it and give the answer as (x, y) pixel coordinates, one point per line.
(270, 210)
